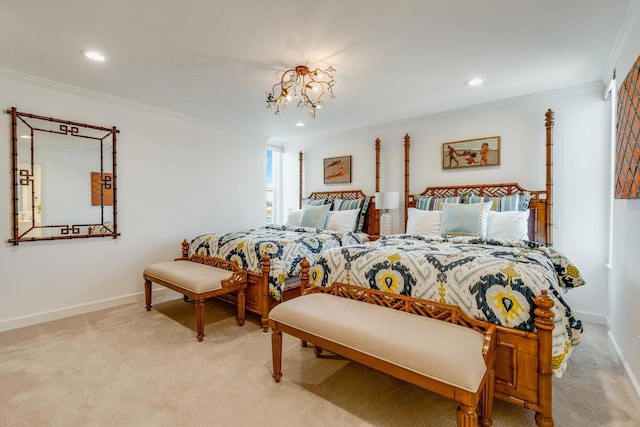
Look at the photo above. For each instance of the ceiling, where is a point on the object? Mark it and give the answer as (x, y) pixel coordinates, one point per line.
(215, 60)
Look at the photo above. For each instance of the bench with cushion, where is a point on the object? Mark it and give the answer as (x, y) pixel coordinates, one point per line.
(198, 282)
(434, 346)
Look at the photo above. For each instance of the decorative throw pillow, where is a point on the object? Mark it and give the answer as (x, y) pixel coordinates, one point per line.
(342, 220)
(464, 220)
(428, 203)
(423, 222)
(314, 216)
(510, 225)
(293, 217)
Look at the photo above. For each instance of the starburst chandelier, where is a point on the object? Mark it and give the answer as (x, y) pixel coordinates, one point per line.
(308, 87)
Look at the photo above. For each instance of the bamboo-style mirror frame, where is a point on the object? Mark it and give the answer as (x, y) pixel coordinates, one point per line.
(105, 185)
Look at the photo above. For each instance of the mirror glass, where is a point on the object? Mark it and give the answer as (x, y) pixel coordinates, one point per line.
(64, 181)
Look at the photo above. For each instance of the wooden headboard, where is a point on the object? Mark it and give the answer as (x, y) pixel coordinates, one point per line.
(372, 220)
(540, 205)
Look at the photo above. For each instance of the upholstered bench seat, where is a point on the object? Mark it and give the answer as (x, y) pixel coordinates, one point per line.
(198, 282)
(429, 344)
(439, 350)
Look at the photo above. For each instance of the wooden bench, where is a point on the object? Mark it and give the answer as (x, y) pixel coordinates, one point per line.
(434, 346)
(198, 282)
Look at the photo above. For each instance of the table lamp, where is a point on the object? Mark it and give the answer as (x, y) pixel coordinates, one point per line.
(385, 201)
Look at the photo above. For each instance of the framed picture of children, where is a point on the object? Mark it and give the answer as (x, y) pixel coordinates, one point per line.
(471, 153)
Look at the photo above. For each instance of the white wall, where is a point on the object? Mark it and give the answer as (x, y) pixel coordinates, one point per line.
(176, 179)
(625, 273)
(580, 168)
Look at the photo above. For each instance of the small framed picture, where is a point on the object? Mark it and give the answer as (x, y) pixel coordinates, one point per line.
(471, 153)
(337, 170)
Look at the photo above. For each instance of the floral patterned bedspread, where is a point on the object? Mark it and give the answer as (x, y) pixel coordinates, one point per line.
(491, 280)
(286, 246)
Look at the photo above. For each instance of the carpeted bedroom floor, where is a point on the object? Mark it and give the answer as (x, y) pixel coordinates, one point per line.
(128, 367)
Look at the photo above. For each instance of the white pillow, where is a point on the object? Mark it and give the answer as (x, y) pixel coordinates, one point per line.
(293, 217)
(343, 221)
(423, 222)
(511, 225)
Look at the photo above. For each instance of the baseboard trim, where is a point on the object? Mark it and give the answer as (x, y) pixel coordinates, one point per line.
(47, 316)
(598, 319)
(627, 368)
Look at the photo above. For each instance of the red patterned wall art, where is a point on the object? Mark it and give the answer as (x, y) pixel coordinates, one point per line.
(105, 181)
(627, 172)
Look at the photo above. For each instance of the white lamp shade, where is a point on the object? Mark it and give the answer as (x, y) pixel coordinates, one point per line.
(387, 200)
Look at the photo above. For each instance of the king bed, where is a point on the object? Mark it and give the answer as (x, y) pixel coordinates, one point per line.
(487, 249)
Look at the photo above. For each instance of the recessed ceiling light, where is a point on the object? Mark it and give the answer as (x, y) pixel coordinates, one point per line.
(474, 81)
(300, 124)
(94, 55)
(25, 136)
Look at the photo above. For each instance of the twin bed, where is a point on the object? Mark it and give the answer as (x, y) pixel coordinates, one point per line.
(492, 277)
(272, 254)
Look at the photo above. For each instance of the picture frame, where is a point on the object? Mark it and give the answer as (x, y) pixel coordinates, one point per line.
(470, 153)
(337, 170)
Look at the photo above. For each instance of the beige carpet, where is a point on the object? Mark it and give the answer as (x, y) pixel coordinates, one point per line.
(128, 367)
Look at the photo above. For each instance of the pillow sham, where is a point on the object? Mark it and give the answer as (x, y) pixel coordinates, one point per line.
(314, 216)
(423, 222)
(293, 217)
(342, 220)
(428, 203)
(344, 204)
(512, 202)
(510, 225)
(316, 202)
(363, 214)
(464, 219)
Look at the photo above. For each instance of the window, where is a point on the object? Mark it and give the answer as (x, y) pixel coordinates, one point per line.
(274, 184)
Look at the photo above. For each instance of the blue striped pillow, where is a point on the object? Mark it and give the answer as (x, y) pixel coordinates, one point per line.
(316, 202)
(512, 202)
(428, 203)
(347, 205)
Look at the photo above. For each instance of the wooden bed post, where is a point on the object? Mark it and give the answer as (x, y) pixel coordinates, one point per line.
(407, 144)
(544, 324)
(300, 181)
(549, 125)
(304, 275)
(376, 215)
(266, 266)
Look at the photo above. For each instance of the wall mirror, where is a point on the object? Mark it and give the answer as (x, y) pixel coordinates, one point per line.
(63, 179)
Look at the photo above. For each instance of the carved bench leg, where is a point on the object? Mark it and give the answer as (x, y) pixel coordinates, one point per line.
(242, 296)
(147, 294)
(317, 350)
(486, 401)
(467, 416)
(200, 319)
(276, 351)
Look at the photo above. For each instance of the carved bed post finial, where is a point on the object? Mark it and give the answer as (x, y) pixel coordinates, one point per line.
(544, 324)
(548, 122)
(300, 181)
(407, 144)
(185, 249)
(304, 275)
